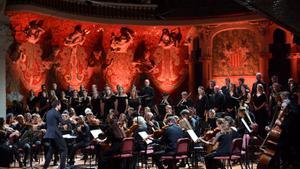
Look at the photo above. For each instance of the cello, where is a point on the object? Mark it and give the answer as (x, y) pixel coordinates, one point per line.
(269, 146)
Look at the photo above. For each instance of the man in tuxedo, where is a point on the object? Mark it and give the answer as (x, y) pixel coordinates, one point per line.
(259, 80)
(169, 140)
(53, 134)
(147, 94)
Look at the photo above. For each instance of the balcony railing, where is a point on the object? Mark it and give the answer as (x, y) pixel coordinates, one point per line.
(95, 8)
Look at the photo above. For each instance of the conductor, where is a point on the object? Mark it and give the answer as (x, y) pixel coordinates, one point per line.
(53, 134)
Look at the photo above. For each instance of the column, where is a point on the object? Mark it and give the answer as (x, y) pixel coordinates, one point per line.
(206, 70)
(294, 57)
(191, 66)
(6, 40)
(264, 65)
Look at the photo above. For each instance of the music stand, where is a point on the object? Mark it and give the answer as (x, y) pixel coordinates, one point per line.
(90, 161)
(95, 134)
(68, 138)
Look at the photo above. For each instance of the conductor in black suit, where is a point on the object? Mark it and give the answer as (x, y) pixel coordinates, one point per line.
(53, 134)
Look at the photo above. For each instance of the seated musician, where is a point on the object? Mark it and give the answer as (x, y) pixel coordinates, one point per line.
(169, 112)
(142, 126)
(73, 116)
(18, 142)
(38, 126)
(184, 122)
(169, 139)
(161, 107)
(83, 138)
(234, 130)
(67, 124)
(211, 119)
(122, 121)
(152, 125)
(26, 141)
(223, 139)
(91, 120)
(7, 155)
(249, 119)
(185, 102)
(131, 113)
(114, 139)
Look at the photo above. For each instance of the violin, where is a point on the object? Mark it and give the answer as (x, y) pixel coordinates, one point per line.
(131, 129)
(160, 132)
(269, 146)
(183, 100)
(211, 133)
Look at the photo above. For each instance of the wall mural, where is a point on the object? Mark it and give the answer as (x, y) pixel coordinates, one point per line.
(72, 59)
(166, 69)
(71, 53)
(235, 53)
(121, 69)
(29, 65)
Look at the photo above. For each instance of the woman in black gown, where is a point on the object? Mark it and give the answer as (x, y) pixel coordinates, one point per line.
(95, 102)
(232, 102)
(76, 103)
(201, 102)
(134, 100)
(259, 100)
(107, 102)
(121, 100)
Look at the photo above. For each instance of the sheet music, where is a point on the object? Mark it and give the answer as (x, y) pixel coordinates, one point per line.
(96, 132)
(145, 137)
(193, 135)
(246, 125)
(69, 136)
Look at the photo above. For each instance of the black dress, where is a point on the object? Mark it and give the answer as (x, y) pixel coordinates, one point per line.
(95, 101)
(76, 104)
(201, 105)
(32, 102)
(261, 115)
(134, 103)
(86, 103)
(109, 103)
(121, 103)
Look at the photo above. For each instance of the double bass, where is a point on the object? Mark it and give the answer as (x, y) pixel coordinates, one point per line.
(269, 146)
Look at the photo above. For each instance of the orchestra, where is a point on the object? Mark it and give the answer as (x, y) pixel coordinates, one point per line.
(216, 114)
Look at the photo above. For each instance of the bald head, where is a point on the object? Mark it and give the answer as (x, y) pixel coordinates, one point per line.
(147, 82)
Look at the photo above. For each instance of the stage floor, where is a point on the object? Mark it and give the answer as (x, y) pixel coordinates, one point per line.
(79, 164)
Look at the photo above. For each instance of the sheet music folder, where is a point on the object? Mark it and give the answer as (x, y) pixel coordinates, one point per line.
(145, 137)
(193, 135)
(96, 132)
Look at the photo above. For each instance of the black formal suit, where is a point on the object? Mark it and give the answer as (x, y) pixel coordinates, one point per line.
(169, 139)
(201, 105)
(254, 86)
(53, 134)
(148, 95)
